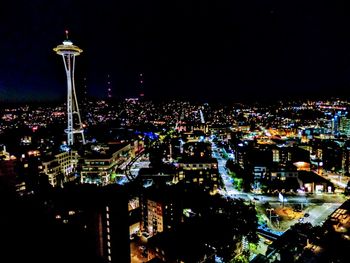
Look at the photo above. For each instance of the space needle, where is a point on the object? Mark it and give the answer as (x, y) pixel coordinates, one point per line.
(68, 51)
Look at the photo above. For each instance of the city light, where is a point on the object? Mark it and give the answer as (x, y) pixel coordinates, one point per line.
(194, 133)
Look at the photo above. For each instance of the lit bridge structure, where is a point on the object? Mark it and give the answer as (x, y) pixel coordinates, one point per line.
(127, 169)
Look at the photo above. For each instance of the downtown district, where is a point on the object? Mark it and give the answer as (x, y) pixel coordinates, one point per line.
(176, 182)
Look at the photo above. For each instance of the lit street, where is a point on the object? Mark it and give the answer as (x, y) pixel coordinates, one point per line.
(318, 214)
(318, 206)
(338, 180)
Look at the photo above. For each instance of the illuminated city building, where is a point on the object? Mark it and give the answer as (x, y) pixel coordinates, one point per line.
(335, 124)
(199, 171)
(99, 162)
(281, 154)
(68, 51)
(344, 125)
(193, 136)
(275, 155)
(154, 217)
(8, 171)
(4, 155)
(134, 216)
(283, 173)
(61, 167)
(113, 226)
(311, 182)
(221, 133)
(346, 160)
(96, 218)
(160, 210)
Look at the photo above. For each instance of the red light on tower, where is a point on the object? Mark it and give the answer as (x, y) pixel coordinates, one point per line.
(109, 87)
(141, 85)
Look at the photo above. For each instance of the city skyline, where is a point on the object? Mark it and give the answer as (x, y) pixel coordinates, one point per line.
(214, 132)
(236, 51)
(154, 178)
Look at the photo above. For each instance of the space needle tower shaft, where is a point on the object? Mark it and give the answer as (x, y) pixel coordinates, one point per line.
(68, 51)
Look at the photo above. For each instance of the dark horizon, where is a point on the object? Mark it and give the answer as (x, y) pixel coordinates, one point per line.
(213, 101)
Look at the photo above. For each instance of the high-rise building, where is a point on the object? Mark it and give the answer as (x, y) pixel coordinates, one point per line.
(113, 226)
(335, 124)
(344, 125)
(68, 51)
(92, 221)
(161, 209)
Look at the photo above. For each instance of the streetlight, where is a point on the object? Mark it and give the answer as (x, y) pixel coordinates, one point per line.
(278, 223)
(319, 166)
(270, 210)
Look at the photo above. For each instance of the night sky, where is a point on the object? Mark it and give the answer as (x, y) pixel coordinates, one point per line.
(221, 50)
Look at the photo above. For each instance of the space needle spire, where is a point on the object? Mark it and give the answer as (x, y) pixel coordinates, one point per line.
(68, 51)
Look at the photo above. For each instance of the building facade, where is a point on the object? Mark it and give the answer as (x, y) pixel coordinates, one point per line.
(100, 162)
(60, 168)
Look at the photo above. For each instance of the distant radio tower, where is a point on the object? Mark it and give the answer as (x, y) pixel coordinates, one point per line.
(109, 87)
(142, 94)
(85, 93)
(68, 51)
